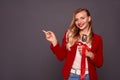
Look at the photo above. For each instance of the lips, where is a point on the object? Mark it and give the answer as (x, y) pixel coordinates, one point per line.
(80, 24)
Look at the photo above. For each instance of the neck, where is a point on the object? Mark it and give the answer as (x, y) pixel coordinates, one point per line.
(85, 31)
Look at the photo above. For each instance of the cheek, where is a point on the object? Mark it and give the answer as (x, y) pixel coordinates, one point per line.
(76, 23)
(86, 20)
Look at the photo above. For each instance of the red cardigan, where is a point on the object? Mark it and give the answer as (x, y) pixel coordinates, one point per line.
(63, 54)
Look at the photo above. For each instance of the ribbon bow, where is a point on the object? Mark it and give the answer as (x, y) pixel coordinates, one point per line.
(83, 60)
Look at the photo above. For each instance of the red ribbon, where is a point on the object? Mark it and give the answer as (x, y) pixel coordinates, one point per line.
(83, 60)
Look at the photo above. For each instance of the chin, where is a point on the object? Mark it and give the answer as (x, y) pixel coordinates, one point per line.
(81, 28)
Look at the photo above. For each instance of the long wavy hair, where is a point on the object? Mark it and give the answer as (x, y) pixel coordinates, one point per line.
(73, 33)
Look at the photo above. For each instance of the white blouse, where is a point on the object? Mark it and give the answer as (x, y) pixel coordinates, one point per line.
(77, 62)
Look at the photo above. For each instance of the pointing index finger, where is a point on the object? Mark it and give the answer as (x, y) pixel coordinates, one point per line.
(44, 31)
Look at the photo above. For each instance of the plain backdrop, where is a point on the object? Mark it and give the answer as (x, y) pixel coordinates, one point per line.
(25, 53)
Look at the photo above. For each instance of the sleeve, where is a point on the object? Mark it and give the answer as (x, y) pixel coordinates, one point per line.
(60, 51)
(98, 52)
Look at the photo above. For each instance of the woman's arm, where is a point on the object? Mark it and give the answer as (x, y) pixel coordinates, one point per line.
(97, 50)
(60, 51)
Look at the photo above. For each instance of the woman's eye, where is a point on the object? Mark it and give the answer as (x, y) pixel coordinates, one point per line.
(82, 18)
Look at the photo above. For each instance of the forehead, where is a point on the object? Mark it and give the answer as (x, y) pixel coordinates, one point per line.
(80, 14)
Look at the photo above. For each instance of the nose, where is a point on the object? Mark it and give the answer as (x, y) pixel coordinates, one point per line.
(79, 21)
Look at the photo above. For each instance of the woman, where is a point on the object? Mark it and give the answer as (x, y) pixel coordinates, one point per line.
(72, 48)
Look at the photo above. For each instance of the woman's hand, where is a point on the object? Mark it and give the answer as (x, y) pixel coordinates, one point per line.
(80, 48)
(88, 53)
(50, 36)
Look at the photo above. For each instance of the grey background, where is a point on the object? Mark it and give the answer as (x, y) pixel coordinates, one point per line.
(24, 51)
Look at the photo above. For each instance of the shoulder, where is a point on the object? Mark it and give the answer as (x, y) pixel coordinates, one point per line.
(97, 37)
(96, 41)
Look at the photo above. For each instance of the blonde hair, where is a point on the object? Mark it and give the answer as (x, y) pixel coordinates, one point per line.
(73, 32)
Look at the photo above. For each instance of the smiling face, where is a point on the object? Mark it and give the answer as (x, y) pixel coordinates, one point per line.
(82, 20)
(81, 24)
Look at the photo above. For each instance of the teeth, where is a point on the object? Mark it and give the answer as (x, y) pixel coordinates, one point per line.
(80, 24)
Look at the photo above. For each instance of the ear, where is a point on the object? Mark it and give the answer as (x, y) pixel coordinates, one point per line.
(89, 19)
